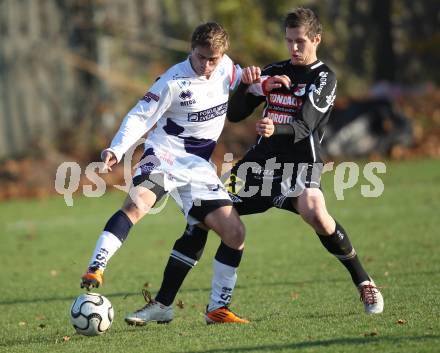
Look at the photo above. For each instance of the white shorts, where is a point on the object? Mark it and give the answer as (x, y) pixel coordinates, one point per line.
(189, 180)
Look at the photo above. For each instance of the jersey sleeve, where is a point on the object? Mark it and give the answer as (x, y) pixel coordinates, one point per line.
(142, 117)
(242, 103)
(244, 100)
(258, 89)
(320, 99)
(234, 72)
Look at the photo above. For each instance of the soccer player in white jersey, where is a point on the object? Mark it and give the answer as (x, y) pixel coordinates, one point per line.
(188, 104)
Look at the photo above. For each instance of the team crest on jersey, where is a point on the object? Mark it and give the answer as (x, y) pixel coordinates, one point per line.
(183, 84)
(300, 89)
(150, 96)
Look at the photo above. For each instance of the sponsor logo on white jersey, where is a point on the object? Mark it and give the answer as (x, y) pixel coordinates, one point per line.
(208, 114)
(186, 103)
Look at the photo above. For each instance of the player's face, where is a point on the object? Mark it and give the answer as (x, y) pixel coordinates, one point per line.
(204, 60)
(302, 49)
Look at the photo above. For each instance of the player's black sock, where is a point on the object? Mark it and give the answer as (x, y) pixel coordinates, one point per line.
(340, 246)
(228, 256)
(119, 225)
(187, 250)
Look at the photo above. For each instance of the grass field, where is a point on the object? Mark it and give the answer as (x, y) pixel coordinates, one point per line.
(298, 297)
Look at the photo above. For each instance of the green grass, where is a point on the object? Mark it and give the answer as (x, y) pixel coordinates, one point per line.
(298, 297)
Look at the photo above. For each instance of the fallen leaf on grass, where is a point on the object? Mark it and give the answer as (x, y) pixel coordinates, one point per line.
(372, 333)
(180, 304)
(147, 285)
(294, 295)
(22, 323)
(66, 338)
(401, 322)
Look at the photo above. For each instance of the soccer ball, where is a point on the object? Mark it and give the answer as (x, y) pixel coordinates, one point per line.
(91, 314)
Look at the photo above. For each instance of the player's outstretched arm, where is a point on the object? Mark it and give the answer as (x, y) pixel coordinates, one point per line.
(142, 117)
(109, 159)
(242, 103)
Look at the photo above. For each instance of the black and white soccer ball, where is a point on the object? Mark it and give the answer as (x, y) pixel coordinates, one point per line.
(91, 314)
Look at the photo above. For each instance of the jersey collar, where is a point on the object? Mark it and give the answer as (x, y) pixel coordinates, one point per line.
(190, 71)
(308, 67)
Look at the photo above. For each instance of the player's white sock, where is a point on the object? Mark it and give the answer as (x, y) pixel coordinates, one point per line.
(105, 248)
(223, 283)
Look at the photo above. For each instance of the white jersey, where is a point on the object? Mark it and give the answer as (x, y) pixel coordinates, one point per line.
(189, 110)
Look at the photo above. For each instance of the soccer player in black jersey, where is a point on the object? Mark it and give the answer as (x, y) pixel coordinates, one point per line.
(284, 165)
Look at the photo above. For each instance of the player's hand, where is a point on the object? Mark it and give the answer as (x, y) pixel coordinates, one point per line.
(109, 159)
(277, 81)
(265, 127)
(250, 75)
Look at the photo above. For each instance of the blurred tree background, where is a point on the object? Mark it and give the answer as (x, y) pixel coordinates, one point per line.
(71, 69)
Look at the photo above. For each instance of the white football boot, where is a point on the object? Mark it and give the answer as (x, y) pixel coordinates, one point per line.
(153, 311)
(371, 297)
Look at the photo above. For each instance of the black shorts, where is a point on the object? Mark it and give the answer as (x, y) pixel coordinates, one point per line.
(254, 188)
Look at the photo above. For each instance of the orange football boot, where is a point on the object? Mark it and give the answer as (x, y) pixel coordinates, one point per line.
(93, 278)
(223, 315)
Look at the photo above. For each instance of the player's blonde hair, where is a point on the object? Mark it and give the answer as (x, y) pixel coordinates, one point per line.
(211, 35)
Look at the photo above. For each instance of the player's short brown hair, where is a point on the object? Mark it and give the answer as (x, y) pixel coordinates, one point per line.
(304, 17)
(211, 35)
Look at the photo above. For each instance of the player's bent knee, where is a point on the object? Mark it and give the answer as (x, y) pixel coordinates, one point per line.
(133, 212)
(319, 219)
(234, 236)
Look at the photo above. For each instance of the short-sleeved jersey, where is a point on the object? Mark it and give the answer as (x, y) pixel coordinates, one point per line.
(302, 110)
(189, 110)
